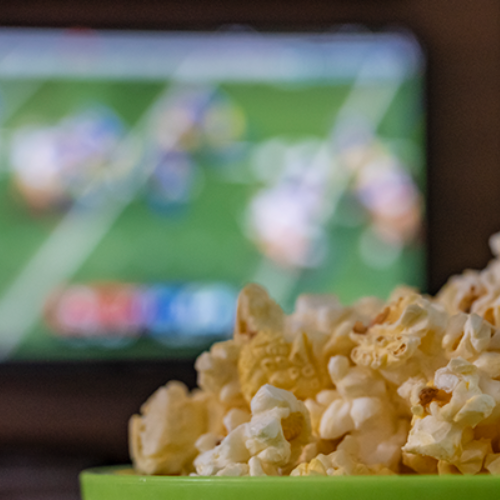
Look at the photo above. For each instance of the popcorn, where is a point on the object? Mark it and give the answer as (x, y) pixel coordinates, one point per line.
(317, 447)
(435, 438)
(444, 433)
(379, 445)
(473, 456)
(360, 313)
(475, 291)
(218, 372)
(207, 441)
(162, 439)
(361, 408)
(488, 307)
(489, 363)
(255, 312)
(338, 463)
(365, 389)
(234, 470)
(229, 452)
(422, 464)
(492, 463)
(234, 418)
(467, 336)
(319, 313)
(460, 292)
(468, 405)
(319, 317)
(269, 359)
(274, 436)
(336, 420)
(404, 340)
(411, 391)
(272, 403)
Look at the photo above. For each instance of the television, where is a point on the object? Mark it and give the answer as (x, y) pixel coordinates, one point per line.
(145, 177)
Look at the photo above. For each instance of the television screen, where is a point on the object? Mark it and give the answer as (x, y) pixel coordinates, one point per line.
(145, 177)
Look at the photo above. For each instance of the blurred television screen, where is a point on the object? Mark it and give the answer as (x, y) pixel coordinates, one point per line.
(146, 177)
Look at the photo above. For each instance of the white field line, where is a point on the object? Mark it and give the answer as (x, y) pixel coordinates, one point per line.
(22, 97)
(64, 251)
(12, 106)
(361, 100)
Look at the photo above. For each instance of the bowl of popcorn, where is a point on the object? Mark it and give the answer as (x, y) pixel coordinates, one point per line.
(405, 393)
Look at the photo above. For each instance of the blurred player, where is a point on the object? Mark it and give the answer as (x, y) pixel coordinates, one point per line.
(53, 166)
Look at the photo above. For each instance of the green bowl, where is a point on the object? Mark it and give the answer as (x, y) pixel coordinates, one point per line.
(121, 483)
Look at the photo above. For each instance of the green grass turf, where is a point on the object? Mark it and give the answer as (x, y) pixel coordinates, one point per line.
(145, 246)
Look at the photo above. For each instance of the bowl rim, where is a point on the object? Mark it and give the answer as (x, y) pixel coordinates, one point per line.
(126, 472)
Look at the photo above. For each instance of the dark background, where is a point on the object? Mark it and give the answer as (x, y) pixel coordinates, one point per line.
(55, 420)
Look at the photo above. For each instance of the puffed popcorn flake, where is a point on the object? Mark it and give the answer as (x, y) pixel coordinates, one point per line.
(406, 386)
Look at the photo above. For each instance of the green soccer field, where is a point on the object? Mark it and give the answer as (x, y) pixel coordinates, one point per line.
(205, 239)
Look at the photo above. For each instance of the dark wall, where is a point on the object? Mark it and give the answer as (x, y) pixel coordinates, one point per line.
(88, 408)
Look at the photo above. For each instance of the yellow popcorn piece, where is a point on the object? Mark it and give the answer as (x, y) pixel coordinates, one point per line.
(207, 441)
(468, 405)
(320, 313)
(475, 291)
(433, 437)
(325, 314)
(446, 432)
(354, 317)
(367, 308)
(460, 292)
(314, 468)
(218, 372)
(473, 455)
(271, 405)
(340, 341)
(421, 464)
(230, 451)
(471, 461)
(488, 307)
(379, 445)
(234, 418)
(316, 411)
(492, 463)
(355, 381)
(467, 336)
(268, 358)
(256, 312)
(316, 447)
(445, 468)
(489, 431)
(275, 435)
(336, 420)
(361, 408)
(162, 439)
(323, 319)
(237, 470)
(489, 363)
(404, 340)
(411, 390)
(338, 463)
